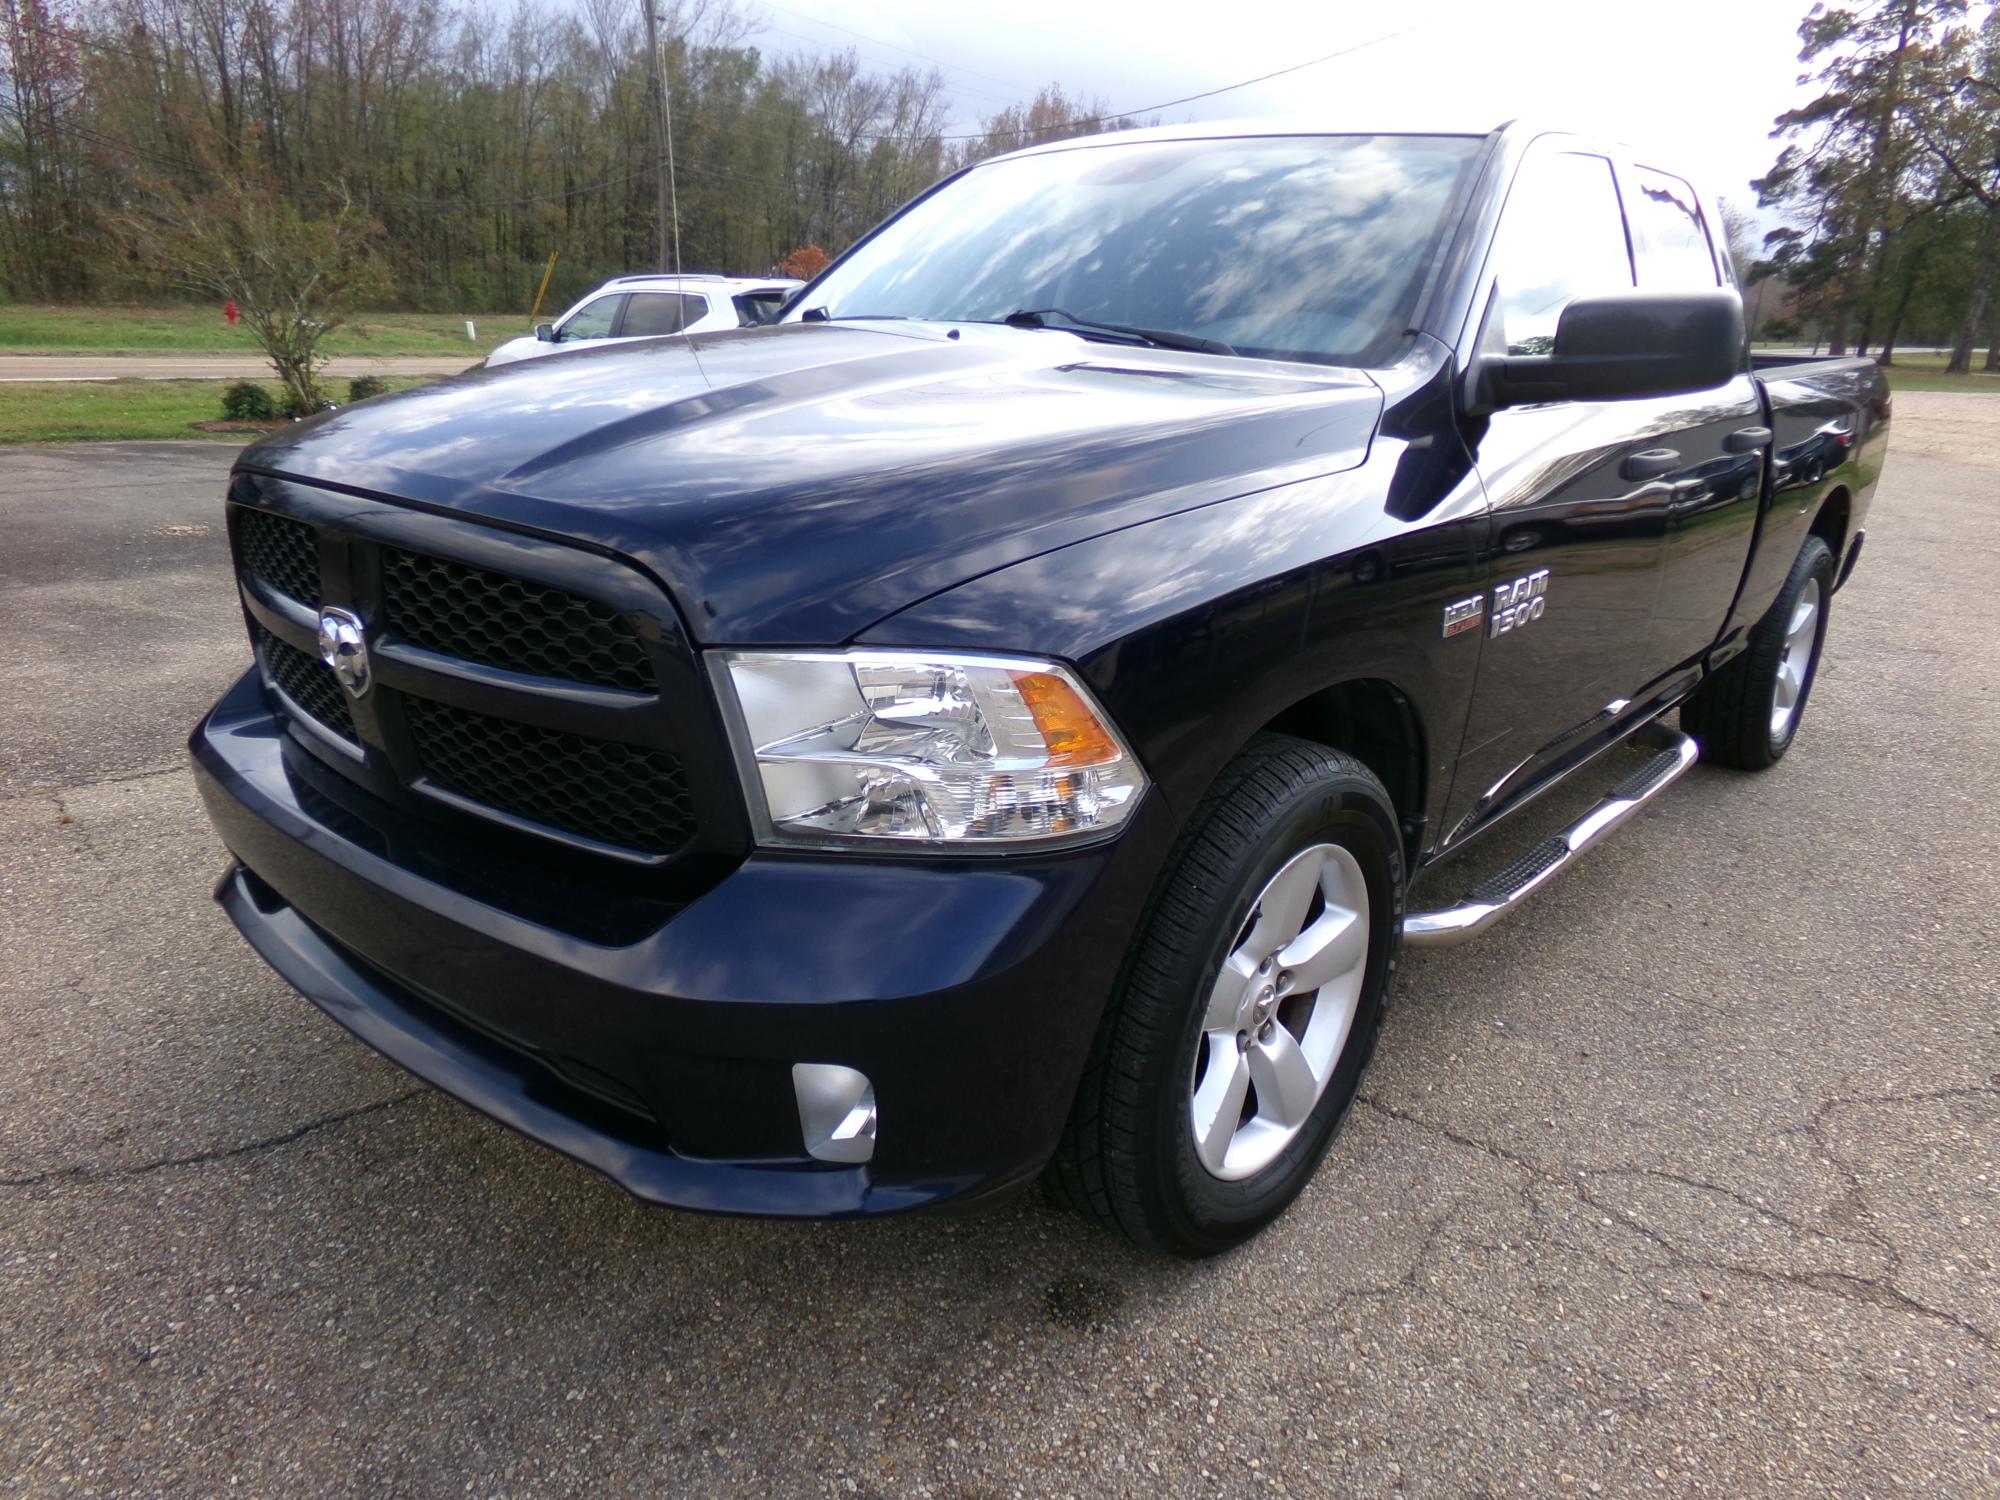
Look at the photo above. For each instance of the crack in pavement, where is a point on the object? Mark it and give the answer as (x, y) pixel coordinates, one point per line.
(1879, 1291)
(84, 1173)
(30, 793)
(1763, 1210)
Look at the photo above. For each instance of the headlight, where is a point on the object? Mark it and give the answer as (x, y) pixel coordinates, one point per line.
(925, 747)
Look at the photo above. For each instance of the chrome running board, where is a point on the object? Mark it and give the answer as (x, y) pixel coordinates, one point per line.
(1490, 900)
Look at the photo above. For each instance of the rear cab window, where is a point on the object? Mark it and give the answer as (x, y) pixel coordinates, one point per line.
(1669, 235)
(760, 306)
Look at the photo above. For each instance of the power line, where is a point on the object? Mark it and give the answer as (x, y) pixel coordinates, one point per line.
(105, 142)
(1147, 109)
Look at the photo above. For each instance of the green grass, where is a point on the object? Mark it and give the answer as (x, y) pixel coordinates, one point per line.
(30, 329)
(102, 411)
(1925, 372)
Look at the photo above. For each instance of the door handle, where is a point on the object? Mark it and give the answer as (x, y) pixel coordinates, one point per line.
(1747, 440)
(1650, 464)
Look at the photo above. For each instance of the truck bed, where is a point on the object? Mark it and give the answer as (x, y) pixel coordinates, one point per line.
(1783, 365)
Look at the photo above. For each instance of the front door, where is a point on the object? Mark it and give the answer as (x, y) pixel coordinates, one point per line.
(591, 324)
(1580, 496)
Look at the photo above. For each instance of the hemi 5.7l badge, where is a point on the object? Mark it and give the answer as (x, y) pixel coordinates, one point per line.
(1464, 615)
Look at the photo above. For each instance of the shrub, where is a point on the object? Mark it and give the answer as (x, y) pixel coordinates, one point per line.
(299, 407)
(361, 387)
(805, 262)
(247, 401)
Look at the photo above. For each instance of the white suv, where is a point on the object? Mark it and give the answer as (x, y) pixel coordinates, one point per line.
(644, 307)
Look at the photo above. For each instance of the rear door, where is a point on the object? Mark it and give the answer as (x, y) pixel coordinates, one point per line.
(1712, 515)
(651, 315)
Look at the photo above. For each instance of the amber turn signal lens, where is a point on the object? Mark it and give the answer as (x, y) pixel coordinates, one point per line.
(1072, 732)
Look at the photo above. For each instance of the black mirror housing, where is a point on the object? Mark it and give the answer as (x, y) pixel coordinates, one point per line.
(546, 332)
(1626, 346)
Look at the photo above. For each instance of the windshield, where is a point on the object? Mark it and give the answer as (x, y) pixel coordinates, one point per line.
(1296, 247)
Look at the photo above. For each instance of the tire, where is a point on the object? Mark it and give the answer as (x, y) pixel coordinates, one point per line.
(1735, 714)
(1311, 834)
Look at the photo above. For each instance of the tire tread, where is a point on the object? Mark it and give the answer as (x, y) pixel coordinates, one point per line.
(1096, 1167)
(1730, 713)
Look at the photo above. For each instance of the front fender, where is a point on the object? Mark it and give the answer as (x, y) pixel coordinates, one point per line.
(1198, 629)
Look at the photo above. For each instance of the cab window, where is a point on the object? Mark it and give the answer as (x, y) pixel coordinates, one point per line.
(1668, 234)
(594, 319)
(761, 306)
(650, 314)
(1561, 237)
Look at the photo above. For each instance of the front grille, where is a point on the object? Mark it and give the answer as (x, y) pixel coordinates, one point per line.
(628, 795)
(635, 795)
(511, 623)
(280, 553)
(308, 682)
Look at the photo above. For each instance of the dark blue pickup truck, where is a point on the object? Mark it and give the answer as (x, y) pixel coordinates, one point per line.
(983, 725)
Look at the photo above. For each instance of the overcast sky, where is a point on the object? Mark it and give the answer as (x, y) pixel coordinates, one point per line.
(1699, 79)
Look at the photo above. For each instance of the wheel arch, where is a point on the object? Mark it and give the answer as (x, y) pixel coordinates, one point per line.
(1830, 524)
(1377, 723)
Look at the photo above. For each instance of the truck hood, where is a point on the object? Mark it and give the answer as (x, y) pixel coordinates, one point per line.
(796, 484)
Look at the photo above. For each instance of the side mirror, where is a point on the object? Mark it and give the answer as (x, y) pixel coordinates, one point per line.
(1626, 346)
(546, 332)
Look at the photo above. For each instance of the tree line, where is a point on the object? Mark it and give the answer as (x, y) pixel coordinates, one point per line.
(453, 147)
(1889, 180)
(474, 139)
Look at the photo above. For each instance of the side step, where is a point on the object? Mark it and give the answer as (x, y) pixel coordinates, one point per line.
(1490, 900)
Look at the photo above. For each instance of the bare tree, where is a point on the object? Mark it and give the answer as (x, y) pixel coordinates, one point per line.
(295, 275)
(1739, 231)
(41, 89)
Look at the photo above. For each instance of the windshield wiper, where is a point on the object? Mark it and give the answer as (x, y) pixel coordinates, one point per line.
(821, 315)
(1158, 338)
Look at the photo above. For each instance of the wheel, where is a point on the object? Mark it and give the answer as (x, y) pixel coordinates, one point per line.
(1249, 1005)
(1747, 714)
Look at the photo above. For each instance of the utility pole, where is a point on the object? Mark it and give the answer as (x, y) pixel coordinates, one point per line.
(656, 89)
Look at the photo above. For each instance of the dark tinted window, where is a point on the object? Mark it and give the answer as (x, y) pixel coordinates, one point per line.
(1314, 247)
(1561, 237)
(1674, 253)
(753, 308)
(593, 320)
(650, 314)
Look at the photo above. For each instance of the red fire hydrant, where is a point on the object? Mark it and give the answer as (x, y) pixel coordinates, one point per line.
(229, 312)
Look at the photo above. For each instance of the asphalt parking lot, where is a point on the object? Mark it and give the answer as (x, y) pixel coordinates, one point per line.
(1685, 1180)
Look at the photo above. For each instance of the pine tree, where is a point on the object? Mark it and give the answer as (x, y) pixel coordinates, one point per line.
(1845, 165)
(1959, 129)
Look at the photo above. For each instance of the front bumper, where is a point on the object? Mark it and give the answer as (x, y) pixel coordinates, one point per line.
(968, 990)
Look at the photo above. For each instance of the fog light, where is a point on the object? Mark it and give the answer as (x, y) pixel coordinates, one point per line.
(836, 1111)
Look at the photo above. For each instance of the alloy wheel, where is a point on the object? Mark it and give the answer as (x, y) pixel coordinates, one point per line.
(1279, 1012)
(1795, 666)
